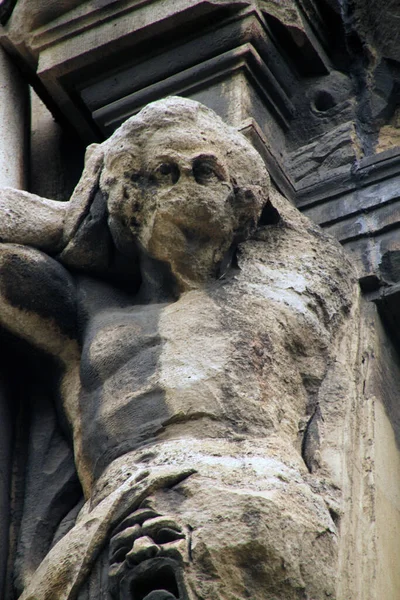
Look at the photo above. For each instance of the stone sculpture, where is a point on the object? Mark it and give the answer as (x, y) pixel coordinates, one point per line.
(194, 320)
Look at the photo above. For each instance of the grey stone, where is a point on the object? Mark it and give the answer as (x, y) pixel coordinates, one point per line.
(13, 107)
(203, 340)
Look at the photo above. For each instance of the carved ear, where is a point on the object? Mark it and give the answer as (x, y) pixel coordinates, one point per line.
(86, 235)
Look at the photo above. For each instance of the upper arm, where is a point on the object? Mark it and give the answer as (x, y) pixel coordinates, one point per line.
(38, 301)
(31, 220)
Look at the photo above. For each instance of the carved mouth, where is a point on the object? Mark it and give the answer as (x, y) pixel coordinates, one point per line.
(147, 555)
(154, 579)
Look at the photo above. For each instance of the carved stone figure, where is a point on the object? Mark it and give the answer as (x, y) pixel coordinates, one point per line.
(193, 323)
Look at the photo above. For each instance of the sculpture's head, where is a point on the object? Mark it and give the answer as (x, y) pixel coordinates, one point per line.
(184, 186)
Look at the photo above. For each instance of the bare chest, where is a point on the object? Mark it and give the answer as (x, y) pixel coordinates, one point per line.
(114, 337)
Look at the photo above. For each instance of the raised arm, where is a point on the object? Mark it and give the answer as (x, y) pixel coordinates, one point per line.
(49, 225)
(31, 220)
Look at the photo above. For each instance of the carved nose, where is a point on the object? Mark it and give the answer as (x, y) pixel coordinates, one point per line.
(143, 548)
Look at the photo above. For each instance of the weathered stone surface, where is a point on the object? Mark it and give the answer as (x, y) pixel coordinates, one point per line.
(329, 156)
(389, 135)
(371, 535)
(377, 24)
(13, 107)
(30, 14)
(206, 337)
(287, 12)
(342, 69)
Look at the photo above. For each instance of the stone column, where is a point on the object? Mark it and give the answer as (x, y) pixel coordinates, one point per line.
(13, 125)
(14, 132)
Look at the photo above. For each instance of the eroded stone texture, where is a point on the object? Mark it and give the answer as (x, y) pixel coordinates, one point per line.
(206, 337)
(372, 34)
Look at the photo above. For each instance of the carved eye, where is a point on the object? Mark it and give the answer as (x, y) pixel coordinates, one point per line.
(136, 177)
(167, 173)
(205, 170)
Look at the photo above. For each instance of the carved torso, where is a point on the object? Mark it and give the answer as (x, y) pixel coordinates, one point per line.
(203, 366)
(157, 371)
(201, 383)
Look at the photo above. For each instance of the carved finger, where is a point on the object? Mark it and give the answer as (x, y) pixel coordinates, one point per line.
(121, 543)
(137, 517)
(162, 528)
(115, 572)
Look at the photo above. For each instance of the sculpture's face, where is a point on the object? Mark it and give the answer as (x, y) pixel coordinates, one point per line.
(175, 197)
(148, 554)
